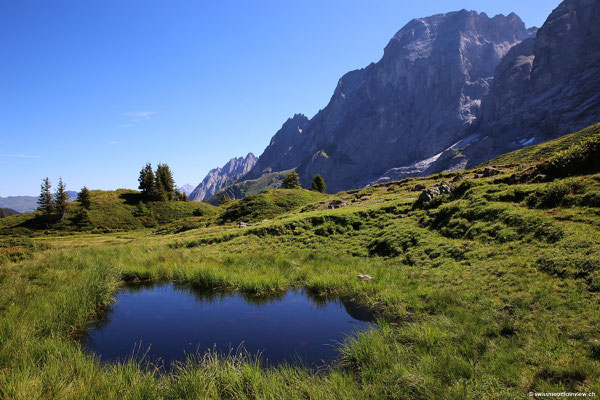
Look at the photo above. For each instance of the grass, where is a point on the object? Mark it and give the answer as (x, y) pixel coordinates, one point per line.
(489, 292)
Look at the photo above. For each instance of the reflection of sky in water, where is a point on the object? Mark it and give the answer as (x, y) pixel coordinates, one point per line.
(175, 321)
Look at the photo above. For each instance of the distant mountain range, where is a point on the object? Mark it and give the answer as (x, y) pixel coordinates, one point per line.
(24, 204)
(451, 91)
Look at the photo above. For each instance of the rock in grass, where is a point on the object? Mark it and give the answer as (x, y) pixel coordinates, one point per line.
(417, 187)
(491, 171)
(365, 277)
(244, 225)
(434, 191)
(336, 204)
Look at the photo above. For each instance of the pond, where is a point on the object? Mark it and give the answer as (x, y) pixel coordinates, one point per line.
(170, 322)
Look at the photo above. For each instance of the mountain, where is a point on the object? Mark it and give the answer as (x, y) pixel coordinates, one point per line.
(418, 100)
(220, 177)
(187, 189)
(543, 87)
(25, 204)
(9, 211)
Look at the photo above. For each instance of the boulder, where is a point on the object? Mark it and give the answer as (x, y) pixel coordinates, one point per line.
(417, 187)
(491, 171)
(336, 204)
(365, 277)
(434, 191)
(244, 225)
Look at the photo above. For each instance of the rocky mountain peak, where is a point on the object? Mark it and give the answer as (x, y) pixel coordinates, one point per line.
(218, 178)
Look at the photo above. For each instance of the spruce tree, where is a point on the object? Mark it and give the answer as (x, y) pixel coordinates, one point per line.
(164, 175)
(185, 197)
(146, 181)
(61, 198)
(45, 204)
(84, 198)
(158, 191)
(2, 213)
(291, 181)
(318, 184)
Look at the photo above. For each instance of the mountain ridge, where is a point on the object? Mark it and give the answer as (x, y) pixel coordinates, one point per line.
(220, 177)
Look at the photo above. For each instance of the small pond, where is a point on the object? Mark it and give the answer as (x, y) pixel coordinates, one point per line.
(172, 321)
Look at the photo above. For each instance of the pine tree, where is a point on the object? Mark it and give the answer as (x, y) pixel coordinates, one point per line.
(84, 198)
(158, 191)
(291, 181)
(318, 184)
(164, 175)
(45, 204)
(61, 198)
(146, 181)
(2, 213)
(180, 196)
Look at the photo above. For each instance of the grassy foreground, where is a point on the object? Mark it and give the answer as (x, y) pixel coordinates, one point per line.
(491, 291)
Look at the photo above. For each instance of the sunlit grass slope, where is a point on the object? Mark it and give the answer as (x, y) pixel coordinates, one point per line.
(489, 292)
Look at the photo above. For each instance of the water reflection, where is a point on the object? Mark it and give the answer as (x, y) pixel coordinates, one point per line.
(177, 320)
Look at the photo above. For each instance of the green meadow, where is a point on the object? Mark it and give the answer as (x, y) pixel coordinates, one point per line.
(491, 291)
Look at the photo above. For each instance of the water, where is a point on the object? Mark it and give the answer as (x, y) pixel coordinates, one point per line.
(175, 321)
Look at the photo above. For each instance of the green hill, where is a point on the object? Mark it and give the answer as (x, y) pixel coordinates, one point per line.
(110, 210)
(534, 154)
(250, 187)
(269, 204)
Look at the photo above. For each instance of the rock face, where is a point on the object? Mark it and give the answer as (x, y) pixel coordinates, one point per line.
(543, 88)
(281, 150)
(219, 178)
(418, 100)
(451, 91)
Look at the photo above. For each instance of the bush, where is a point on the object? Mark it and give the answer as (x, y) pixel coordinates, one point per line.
(581, 158)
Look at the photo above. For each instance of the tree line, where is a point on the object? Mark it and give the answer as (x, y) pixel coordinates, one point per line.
(292, 181)
(159, 185)
(54, 205)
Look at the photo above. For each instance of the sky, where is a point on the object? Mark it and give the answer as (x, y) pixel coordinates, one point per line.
(91, 91)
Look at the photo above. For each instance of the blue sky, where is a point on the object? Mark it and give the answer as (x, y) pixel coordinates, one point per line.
(91, 91)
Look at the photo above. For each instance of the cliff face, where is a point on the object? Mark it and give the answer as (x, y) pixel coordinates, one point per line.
(451, 91)
(544, 87)
(418, 100)
(218, 178)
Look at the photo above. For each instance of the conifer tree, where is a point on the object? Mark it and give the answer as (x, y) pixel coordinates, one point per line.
(61, 198)
(164, 175)
(146, 181)
(291, 181)
(318, 184)
(2, 213)
(158, 191)
(84, 198)
(185, 197)
(45, 204)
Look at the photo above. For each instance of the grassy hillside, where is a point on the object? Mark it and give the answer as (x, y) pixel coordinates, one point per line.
(533, 154)
(250, 187)
(111, 210)
(268, 204)
(490, 291)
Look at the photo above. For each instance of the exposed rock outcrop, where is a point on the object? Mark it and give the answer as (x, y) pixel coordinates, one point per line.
(219, 178)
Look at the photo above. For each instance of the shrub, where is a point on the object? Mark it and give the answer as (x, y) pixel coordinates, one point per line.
(581, 158)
